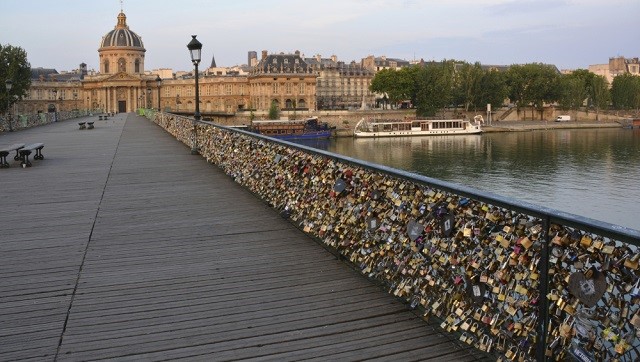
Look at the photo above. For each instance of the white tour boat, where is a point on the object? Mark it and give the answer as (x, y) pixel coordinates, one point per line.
(417, 127)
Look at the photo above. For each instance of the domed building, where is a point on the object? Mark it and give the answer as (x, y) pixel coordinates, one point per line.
(121, 85)
(121, 50)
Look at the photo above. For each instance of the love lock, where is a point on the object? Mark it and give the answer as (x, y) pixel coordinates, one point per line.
(588, 290)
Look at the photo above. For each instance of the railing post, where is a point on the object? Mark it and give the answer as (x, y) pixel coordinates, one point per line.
(543, 289)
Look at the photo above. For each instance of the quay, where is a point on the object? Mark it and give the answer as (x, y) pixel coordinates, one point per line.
(121, 245)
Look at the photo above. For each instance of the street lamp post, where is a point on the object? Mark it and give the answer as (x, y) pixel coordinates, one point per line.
(195, 49)
(147, 100)
(9, 84)
(158, 83)
(55, 107)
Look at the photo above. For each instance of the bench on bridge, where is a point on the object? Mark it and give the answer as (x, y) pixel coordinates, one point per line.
(90, 125)
(103, 117)
(5, 151)
(82, 125)
(27, 150)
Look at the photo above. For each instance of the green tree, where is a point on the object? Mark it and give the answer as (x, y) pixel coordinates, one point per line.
(625, 92)
(274, 112)
(572, 92)
(396, 85)
(599, 94)
(15, 67)
(533, 85)
(434, 87)
(492, 89)
(467, 85)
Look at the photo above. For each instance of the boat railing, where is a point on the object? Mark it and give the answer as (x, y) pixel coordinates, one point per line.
(515, 280)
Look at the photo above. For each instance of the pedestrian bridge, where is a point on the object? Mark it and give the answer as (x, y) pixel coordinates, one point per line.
(122, 245)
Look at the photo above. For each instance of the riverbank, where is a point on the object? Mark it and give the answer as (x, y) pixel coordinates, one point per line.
(522, 126)
(519, 126)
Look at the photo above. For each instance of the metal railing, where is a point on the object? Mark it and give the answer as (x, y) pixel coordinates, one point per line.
(516, 280)
(25, 121)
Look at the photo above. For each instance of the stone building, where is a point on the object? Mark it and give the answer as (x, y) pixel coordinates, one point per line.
(120, 86)
(615, 67)
(291, 82)
(285, 80)
(341, 85)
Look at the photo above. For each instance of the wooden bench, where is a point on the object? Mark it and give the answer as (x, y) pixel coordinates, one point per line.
(82, 125)
(90, 125)
(26, 151)
(5, 151)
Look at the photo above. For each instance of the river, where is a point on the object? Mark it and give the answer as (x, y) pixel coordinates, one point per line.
(588, 172)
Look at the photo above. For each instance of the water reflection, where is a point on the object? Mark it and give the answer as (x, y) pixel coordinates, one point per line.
(593, 173)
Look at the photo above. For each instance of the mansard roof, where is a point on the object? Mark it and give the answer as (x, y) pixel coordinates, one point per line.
(282, 64)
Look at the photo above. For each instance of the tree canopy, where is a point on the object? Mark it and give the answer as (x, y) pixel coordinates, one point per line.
(625, 92)
(14, 67)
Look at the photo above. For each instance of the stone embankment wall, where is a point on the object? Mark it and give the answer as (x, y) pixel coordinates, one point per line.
(345, 121)
(472, 261)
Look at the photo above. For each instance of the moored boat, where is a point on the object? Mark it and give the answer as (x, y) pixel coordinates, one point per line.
(417, 127)
(295, 129)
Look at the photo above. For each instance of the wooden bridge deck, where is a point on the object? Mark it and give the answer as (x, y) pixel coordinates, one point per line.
(121, 245)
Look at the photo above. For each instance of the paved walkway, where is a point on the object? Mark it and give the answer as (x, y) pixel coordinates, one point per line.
(121, 245)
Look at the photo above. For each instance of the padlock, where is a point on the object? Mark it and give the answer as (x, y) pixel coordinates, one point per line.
(464, 337)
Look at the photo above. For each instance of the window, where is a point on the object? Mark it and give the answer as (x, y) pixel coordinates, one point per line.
(137, 66)
(228, 88)
(275, 88)
(301, 90)
(288, 88)
(167, 92)
(189, 92)
(122, 65)
(106, 66)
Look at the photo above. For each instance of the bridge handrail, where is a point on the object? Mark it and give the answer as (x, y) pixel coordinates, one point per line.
(498, 272)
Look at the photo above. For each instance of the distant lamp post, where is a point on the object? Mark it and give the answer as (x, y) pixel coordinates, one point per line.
(195, 49)
(55, 106)
(159, 83)
(9, 84)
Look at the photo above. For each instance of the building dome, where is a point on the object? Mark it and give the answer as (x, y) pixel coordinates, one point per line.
(121, 36)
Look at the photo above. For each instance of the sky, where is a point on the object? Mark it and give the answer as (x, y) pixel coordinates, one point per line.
(570, 34)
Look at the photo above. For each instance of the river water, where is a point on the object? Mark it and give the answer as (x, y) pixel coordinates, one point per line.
(588, 172)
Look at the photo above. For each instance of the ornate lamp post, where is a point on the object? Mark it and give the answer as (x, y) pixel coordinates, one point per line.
(9, 84)
(55, 107)
(159, 82)
(195, 49)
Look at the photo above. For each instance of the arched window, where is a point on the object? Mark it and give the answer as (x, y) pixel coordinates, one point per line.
(122, 65)
(137, 66)
(106, 67)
